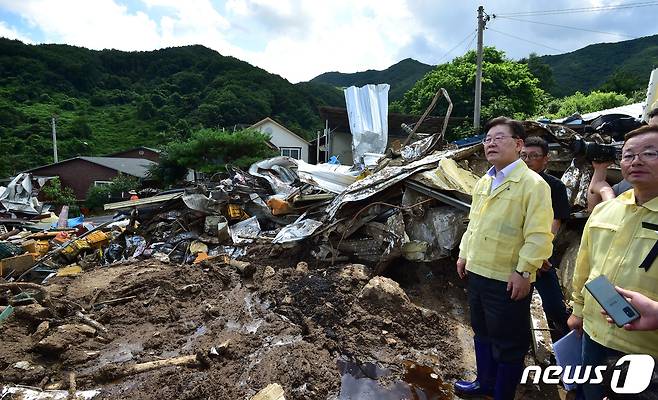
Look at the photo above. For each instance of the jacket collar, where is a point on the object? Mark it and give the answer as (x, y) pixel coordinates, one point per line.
(628, 198)
(518, 169)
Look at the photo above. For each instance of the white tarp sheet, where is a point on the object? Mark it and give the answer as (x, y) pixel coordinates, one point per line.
(367, 110)
(652, 95)
(280, 173)
(17, 196)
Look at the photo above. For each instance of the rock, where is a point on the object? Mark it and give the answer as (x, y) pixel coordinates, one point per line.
(41, 332)
(26, 366)
(391, 342)
(192, 288)
(273, 391)
(287, 300)
(357, 272)
(246, 269)
(427, 313)
(385, 293)
(24, 372)
(302, 266)
(269, 272)
(63, 337)
(33, 312)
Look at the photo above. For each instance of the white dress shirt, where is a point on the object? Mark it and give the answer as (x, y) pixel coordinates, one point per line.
(499, 176)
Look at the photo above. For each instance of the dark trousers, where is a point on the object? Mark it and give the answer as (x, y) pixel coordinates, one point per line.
(552, 299)
(499, 320)
(595, 354)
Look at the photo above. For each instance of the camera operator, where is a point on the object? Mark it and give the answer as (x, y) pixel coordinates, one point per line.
(535, 155)
(620, 241)
(599, 190)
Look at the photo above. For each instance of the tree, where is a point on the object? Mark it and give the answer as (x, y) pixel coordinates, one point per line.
(57, 194)
(541, 71)
(210, 150)
(80, 128)
(581, 103)
(100, 195)
(508, 87)
(623, 82)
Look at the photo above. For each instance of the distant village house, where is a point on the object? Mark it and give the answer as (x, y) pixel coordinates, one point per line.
(81, 173)
(288, 143)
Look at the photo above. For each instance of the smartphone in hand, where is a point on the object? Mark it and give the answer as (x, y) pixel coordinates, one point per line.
(617, 307)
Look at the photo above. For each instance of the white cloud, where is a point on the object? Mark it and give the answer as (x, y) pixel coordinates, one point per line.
(341, 35)
(300, 39)
(94, 24)
(9, 32)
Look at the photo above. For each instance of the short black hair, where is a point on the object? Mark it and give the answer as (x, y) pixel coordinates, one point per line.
(641, 130)
(652, 113)
(536, 141)
(518, 131)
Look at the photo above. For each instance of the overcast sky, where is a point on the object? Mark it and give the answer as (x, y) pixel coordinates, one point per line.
(302, 39)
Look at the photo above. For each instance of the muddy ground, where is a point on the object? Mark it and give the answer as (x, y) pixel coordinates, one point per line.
(320, 331)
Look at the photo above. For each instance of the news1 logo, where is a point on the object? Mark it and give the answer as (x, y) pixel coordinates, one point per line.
(635, 380)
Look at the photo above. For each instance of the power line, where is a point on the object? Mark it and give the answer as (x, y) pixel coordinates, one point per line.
(564, 26)
(470, 45)
(581, 9)
(458, 44)
(525, 40)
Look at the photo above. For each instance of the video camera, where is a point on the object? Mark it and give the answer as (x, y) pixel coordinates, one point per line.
(596, 151)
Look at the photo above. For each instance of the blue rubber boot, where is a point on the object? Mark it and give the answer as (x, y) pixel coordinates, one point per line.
(507, 379)
(486, 373)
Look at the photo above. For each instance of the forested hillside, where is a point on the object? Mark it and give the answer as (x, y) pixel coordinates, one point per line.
(401, 76)
(623, 67)
(111, 100)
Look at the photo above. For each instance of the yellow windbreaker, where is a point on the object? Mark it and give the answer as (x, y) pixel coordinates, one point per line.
(617, 238)
(509, 228)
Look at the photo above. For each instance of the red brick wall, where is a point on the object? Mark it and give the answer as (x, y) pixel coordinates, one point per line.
(77, 174)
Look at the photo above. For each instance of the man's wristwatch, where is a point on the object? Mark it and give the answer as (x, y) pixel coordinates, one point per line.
(524, 274)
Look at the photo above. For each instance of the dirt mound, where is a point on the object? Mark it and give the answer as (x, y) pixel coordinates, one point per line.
(250, 327)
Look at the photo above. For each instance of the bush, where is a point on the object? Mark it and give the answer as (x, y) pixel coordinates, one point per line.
(101, 195)
(57, 194)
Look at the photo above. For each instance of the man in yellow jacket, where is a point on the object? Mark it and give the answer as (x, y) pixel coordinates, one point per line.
(507, 240)
(620, 241)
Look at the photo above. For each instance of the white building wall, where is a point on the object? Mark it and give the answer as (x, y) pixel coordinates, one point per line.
(282, 138)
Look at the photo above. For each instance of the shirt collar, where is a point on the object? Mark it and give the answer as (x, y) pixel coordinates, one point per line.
(505, 171)
(628, 198)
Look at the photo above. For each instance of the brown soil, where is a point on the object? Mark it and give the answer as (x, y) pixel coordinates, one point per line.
(286, 324)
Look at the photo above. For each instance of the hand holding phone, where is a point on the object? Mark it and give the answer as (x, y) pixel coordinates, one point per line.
(614, 304)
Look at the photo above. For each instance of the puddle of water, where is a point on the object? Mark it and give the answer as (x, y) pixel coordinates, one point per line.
(120, 353)
(252, 327)
(253, 306)
(361, 381)
(200, 331)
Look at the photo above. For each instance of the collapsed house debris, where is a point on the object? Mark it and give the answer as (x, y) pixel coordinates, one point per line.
(92, 305)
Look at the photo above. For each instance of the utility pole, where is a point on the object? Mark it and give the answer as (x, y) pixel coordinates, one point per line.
(482, 21)
(54, 117)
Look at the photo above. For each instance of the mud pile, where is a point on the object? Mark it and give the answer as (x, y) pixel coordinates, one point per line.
(241, 326)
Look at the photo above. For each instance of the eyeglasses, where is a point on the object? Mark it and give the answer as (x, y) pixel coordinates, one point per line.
(496, 138)
(531, 156)
(643, 156)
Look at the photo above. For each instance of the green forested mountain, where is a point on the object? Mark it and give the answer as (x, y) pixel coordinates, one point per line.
(622, 67)
(401, 76)
(110, 100)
